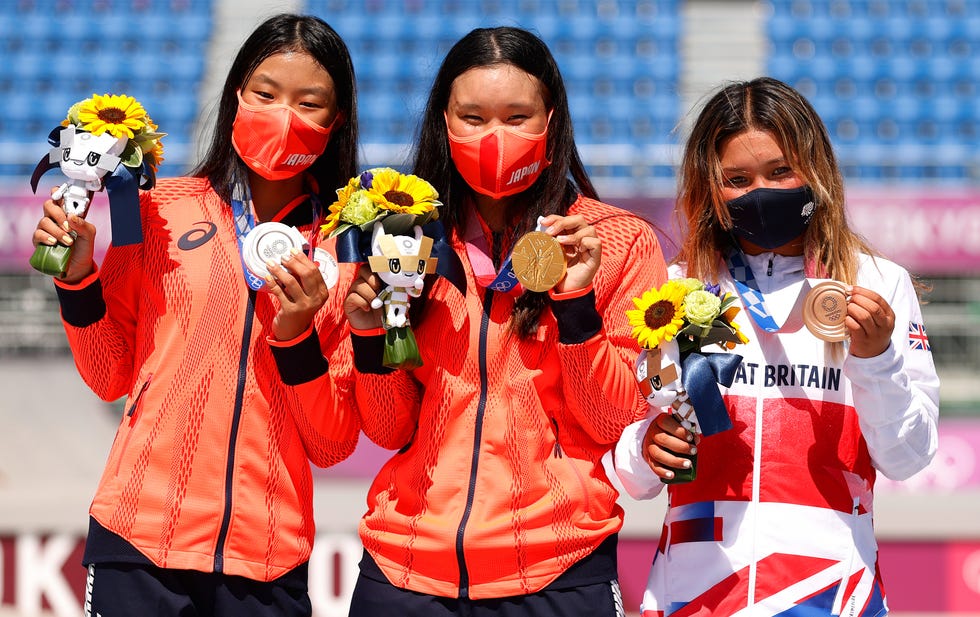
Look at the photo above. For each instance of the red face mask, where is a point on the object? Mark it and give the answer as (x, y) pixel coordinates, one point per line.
(500, 161)
(275, 141)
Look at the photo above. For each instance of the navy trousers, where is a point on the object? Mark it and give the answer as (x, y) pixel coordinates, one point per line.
(128, 589)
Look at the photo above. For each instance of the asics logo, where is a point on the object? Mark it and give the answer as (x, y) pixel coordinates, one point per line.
(198, 236)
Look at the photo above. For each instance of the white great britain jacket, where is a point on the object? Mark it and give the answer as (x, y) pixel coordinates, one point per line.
(780, 514)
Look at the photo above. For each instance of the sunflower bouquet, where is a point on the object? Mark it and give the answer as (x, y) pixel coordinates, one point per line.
(105, 141)
(673, 324)
(388, 209)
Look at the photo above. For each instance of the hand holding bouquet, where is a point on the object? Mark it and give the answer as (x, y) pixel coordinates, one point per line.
(389, 208)
(673, 324)
(106, 141)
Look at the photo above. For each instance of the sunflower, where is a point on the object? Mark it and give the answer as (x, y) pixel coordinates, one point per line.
(403, 194)
(119, 114)
(659, 314)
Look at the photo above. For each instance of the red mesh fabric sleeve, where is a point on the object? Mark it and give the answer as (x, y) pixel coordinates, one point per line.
(600, 385)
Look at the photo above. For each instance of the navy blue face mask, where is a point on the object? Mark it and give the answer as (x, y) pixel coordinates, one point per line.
(771, 218)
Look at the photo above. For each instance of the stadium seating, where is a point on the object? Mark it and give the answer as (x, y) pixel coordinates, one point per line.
(619, 59)
(895, 82)
(56, 52)
(893, 79)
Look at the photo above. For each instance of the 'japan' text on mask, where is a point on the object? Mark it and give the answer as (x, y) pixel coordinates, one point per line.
(771, 218)
(275, 141)
(500, 161)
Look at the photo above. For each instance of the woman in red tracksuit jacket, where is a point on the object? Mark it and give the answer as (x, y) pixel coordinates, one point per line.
(496, 501)
(205, 505)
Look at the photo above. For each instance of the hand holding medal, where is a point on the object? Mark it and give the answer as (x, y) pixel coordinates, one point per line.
(563, 252)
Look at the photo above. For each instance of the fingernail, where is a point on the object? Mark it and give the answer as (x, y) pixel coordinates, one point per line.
(51, 240)
(65, 225)
(669, 475)
(686, 464)
(66, 239)
(690, 437)
(270, 263)
(294, 251)
(694, 450)
(270, 281)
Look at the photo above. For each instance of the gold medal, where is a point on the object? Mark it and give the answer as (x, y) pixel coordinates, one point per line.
(538, 261)
(824, 310)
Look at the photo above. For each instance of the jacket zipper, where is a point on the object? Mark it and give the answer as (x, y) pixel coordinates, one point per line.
(558, 452)
(219, 552)
(464, 577)
(838, 606)
(131, 414)
(756, 489)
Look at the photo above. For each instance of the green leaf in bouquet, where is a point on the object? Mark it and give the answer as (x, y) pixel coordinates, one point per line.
(686, 343)
(695, 330)
(431, 215)
(401, 350)
(398, 224)
(147, 141)
(339, 229)
(720, 333)
(132, 155)
(728, 302)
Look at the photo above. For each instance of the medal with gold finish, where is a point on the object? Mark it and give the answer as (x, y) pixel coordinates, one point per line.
(538, 261)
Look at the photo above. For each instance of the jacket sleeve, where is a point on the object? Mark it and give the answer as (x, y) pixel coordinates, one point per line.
(598, 377)
(896, 394)
(317, 368)
(388, 400)
(100, 316)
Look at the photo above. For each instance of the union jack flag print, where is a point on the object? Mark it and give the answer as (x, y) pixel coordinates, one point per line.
(917, 337)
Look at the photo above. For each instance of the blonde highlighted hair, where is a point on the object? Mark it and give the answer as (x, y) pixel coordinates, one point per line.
(830, 246)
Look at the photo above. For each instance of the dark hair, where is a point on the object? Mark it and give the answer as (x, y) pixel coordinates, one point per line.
(769, 105)
(559, 184)
(281, 33)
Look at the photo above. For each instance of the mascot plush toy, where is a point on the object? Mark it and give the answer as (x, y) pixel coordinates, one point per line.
(105, 142)
(401, 262)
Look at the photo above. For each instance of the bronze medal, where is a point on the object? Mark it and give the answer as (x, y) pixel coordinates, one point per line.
(824, 310)
(538, 261)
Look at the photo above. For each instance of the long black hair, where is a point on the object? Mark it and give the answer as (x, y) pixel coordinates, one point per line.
(282, 33)
(560, 182)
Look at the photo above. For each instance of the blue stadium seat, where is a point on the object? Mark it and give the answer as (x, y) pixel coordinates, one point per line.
(617, 49)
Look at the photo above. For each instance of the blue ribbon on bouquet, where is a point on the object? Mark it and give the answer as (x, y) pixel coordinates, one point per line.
(701, 374)
(354, 246)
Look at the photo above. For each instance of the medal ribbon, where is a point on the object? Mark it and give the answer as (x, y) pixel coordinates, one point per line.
(241, 209)
(754, 300)
(244, 215)
(505, 280)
